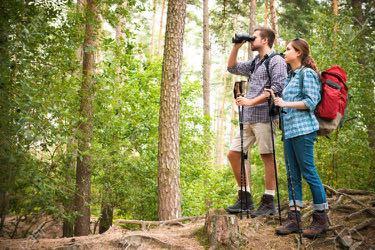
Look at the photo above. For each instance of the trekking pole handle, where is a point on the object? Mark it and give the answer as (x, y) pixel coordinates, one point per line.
(272, 94)
(239, 89)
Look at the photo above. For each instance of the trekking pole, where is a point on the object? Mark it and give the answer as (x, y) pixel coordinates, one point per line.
(290, 183)
(238, 91)
(270, 101)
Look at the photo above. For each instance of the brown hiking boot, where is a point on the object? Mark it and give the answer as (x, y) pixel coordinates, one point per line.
(291, 224)
(266, 206)
(242, 196)
(318, 227)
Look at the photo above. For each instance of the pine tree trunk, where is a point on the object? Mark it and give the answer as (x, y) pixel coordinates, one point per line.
(274, 20)
(266, 13)
(335, 10)
(71, 162)
(357, 12)
(234, 116)
(106, 217)
(4, 202)
(252, 24)
(206, 60)
(153, 27)
(220, 137)
(220, 132)
(121, 24)
(85, 128)
(160, 37)
(168, 153)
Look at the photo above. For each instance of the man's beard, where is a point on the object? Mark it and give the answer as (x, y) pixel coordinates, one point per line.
(254, 48)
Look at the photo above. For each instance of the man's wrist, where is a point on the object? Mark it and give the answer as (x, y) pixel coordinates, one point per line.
(250, 103)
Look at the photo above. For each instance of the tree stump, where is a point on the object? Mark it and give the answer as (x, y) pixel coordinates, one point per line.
(222, 230)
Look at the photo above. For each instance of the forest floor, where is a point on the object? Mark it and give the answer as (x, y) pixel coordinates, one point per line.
(352, 219)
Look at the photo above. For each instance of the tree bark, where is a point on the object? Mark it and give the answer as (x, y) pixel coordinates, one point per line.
(121, 24)
(357, 12)
(106, 217)
(266, 13)
(220, 137)
(206, 60)
(222, 230)
(220, 132)
(252, 24)
(168, 148)
(160, 37)
(85, 128)
(274, 20)
(153, 27)
(71, 162)
(335, 10)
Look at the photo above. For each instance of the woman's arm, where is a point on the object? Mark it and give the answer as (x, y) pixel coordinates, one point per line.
(294, 105)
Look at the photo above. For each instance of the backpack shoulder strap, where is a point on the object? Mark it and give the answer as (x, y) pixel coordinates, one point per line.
(252, 66)
(267, 65)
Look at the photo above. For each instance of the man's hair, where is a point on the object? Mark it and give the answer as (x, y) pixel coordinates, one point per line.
(267, 33)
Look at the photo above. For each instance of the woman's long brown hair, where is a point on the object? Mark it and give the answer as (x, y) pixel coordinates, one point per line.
(302, 46)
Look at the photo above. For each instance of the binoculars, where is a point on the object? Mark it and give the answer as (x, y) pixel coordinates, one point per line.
(241, 37)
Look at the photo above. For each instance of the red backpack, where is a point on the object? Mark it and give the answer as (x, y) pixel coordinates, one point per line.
(331, 109)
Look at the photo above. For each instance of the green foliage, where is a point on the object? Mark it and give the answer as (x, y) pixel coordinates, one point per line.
(40, 75)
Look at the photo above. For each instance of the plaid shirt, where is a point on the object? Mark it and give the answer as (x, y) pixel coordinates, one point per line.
(298, 122)
(257, 81)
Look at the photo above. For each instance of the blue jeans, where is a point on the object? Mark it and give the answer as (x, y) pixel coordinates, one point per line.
(299, 160)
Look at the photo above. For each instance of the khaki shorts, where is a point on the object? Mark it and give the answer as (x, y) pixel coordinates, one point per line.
(256, 133)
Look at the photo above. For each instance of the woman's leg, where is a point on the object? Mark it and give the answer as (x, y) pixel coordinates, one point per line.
(304, 148)
(293, 222)
(293, 174)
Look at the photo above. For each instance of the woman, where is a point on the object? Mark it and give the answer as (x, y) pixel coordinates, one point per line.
(300, 97)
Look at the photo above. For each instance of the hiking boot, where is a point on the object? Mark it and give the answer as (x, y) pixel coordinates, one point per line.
(318, 227)
(236, 208)
(291, 224)
(266, 206)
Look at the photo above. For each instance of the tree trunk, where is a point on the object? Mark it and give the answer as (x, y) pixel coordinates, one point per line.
(266, 13)
(222, 230)
(274, 20)
(85, 128)
(252, 24)
(168, 150)
(106, 217)
(153, 27)
(335, 10)
(4, 202)
(220, 132)
(121, 24)
(160, 37)
(71, 162)
(206, 60)
(357, 12)
(220, 137)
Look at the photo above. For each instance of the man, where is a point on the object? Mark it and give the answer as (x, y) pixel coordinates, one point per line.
(257, 129)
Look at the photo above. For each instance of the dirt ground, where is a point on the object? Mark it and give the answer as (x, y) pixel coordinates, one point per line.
(348, 230)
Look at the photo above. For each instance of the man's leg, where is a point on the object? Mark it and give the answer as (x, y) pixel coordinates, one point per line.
(264, 139)
(234, 157)
(269, 169)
